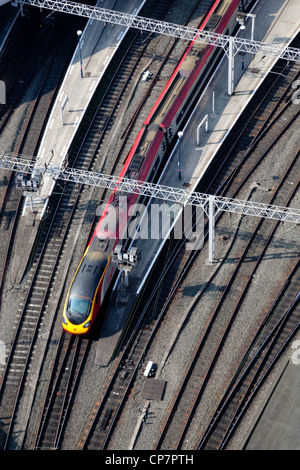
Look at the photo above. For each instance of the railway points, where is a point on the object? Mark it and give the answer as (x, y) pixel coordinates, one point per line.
(76, 92)
(63, 123)
(184, 151)
(47, 154)
(195, 159)
(98, 43)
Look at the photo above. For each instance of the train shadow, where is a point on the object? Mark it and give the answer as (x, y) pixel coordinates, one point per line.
(12, 442)
(193, 291)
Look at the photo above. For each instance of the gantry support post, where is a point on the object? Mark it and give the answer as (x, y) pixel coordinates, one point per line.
(177, 195)
(230, 67)
(211, 227)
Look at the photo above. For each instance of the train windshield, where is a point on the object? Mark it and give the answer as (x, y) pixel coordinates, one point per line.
(78, 309)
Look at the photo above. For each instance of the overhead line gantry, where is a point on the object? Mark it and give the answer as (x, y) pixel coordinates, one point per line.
(211, 204)
(231, 45)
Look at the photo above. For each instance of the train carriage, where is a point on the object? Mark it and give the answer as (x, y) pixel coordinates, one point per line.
(95, 272)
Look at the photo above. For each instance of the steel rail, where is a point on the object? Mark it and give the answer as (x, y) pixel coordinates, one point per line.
(53, 382)
(33, 336)
(130, 341)
(271, 119)
(176, 195)
(255, 365)
(101, 407)
(243, 181)
(27, 297)
(62, 387)
(25, 143)
(66, 404)
(260, 373)
(232, 174)
(30, 118)
(162, 27)
(194, 360)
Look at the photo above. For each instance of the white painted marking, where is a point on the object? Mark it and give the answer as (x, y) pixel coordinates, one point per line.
(2, 352)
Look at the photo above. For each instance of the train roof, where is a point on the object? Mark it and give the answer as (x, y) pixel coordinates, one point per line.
(89, 274)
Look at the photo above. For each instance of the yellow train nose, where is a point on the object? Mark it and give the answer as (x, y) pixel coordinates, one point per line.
(75, 330)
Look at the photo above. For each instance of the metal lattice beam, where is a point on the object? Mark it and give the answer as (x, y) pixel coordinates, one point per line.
(169, 29)
(175, 195)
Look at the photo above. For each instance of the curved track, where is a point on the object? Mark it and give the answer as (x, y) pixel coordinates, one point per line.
(178, 417)
(277, 330)
(211, 343)
(71, 352)
(171, 48)
(53, 238)
(32, 128)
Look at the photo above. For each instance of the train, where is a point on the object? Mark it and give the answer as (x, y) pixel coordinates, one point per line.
(96, 271)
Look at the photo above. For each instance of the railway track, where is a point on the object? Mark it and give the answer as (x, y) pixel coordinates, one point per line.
(126, 370)
(274, 335)
(42, 274)
(229, 182)
(221, 320)
(187, 261)
(39, 282)
(91, 146)
(258, 120)
(32, 128)
(105, 415)
(31, 313)
(40, 279)
(65, 374)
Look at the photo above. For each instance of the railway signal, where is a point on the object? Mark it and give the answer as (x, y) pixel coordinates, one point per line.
(126, 260)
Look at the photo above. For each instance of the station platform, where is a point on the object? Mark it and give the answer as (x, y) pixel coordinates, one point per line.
(99, 43)
(276, 21)
(277, 423)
